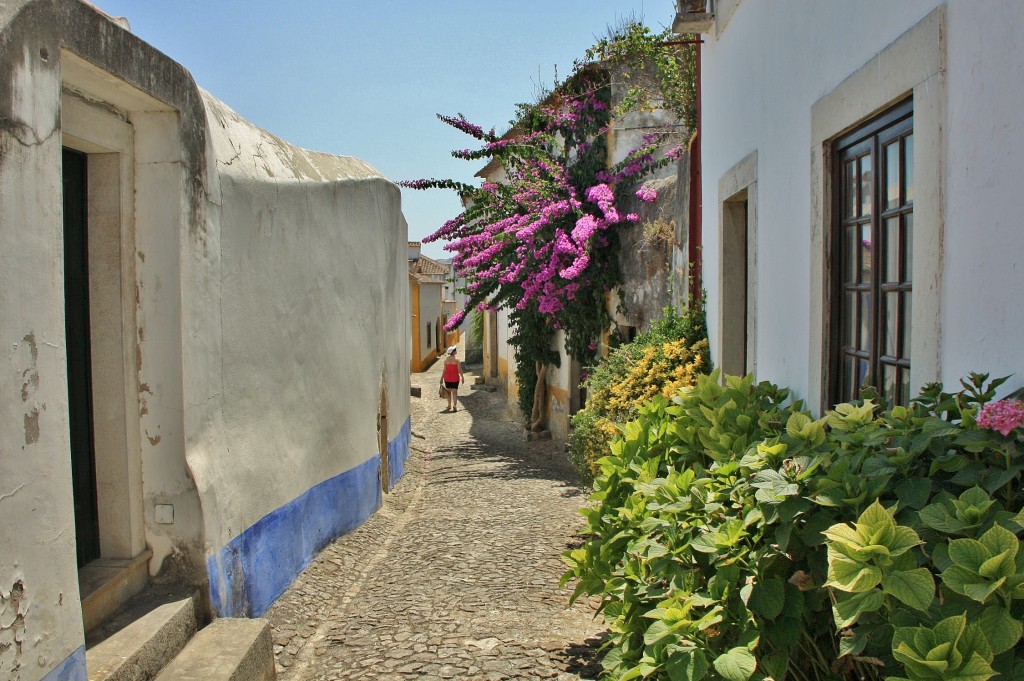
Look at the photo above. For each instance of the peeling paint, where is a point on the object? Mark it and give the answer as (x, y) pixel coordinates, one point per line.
(32, 427)
(153, 439)
(13, 608)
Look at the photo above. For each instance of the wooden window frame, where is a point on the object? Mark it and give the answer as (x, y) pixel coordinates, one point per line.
(870, 140)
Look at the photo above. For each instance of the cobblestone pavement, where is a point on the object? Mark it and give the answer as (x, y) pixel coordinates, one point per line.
(456, 577)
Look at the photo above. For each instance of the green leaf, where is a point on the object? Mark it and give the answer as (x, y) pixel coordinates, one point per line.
(914, 492)
(852, 645)
(915, 588)
(938, 517)
(1016, 522)
(976, 669)
(848, 609)
(768, 598)
(994, 479)
(999, 539)
(689, 665)
(968, 553)
(1001, 629)
(998, 566)
(849, 575)
(903, 540)
(796, 423)
(876, 525)
(970, 584)
(737, 664)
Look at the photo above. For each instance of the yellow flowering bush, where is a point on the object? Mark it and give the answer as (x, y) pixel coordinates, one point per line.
(659, 362)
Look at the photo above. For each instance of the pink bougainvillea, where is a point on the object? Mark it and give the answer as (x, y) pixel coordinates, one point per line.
(538, 241)
(648, 194)
(1002, 416)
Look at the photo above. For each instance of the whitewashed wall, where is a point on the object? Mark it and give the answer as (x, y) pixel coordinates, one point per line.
(39, 601)
(313, 303)
(245, 348)
(764, 70)
(430, 312)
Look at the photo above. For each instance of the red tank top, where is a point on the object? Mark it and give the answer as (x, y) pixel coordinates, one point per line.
(451, 372)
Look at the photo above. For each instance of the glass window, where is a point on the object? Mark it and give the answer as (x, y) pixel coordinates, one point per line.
(873, 239)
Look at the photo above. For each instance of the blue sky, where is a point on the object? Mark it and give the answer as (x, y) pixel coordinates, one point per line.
(366, 78)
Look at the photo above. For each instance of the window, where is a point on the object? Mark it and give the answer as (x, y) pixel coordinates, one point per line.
(873, 180)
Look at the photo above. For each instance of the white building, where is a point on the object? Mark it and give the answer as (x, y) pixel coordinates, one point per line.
(205, 362)
(861, 169)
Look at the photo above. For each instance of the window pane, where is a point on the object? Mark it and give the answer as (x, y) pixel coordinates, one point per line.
(892, 175)
(848, 317)
(865, 254)
(906, 321)
(848, 384)
(908, 247)
(848, 274)
(864, 340)
(892, 251)
(908, 161)
(891, 332)
(850, 189)
(889, 384)
(863, 378)
(866, 179)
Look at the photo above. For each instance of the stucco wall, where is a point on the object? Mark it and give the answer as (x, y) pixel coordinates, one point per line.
(758, 96)
(40, 617)
(430, 312)
(313, 306)
(245, 348)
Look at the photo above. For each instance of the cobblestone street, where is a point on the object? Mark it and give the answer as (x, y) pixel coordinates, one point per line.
(456, 577)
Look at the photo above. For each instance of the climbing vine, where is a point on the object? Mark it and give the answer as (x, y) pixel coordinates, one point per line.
(543, 242)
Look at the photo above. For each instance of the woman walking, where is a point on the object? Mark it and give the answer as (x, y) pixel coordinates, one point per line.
(450, 378)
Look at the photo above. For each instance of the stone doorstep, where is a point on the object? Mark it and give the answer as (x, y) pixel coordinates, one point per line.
(107, 583)
(143, 648)
(227, 649)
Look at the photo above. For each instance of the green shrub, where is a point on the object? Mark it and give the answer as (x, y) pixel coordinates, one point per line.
(736, 537)
(660, 361)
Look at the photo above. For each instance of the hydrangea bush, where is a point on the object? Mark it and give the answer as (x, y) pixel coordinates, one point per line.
(735, 537)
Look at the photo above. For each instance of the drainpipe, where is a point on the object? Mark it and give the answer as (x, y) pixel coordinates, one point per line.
(694, 240)
(695, 237)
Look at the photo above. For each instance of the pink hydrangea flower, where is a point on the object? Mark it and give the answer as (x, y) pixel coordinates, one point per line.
(648, 194)
(1003, 416)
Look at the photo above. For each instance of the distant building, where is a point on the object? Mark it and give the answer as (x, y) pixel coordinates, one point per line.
(204, 328)
(428, 280)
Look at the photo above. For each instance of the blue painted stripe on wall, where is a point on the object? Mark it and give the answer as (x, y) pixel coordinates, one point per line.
(71, 669)
(398, 454)
(256, 567)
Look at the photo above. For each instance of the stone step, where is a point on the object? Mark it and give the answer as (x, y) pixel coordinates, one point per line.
(139, 651)
(226, 650)
(108, 583)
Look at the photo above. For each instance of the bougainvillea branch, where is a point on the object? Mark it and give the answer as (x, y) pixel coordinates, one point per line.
(543, 242)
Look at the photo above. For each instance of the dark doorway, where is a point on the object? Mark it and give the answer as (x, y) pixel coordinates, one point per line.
(735, 286)
(76, 319)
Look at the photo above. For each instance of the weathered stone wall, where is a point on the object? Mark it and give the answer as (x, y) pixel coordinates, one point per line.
(653, 251)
